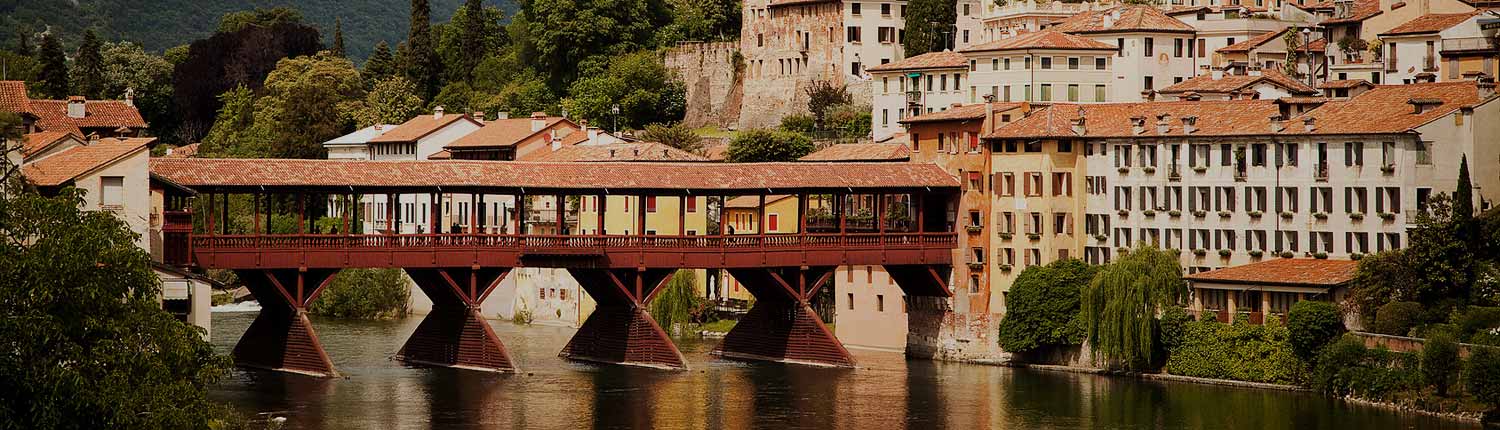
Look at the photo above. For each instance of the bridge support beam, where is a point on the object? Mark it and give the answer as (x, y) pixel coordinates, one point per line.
(281, 338)
(455, 333)
(621, 331)
(782, 327)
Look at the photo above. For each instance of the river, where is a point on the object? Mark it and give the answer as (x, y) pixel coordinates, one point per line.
(887, 391)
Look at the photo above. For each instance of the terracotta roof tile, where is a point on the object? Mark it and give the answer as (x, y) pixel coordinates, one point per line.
(13, 97)
(1234, 83)
(1214, 118)
(1345, 83)
(183, 151)
(1252, 43)
(35, 143)
(928, 61)
(1284, 271)
(960, 113)
(1386, 109)
(68, 165)
(1045, 39)
(1131, 18)
(616, 152)
(1363, 10)
(506, 132)
(861, 152)
(1430, 23)
(109, 114)
(241, 174)
(419, 127)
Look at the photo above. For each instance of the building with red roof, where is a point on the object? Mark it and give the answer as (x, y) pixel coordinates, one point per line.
(1268, 288)
(1440, 47)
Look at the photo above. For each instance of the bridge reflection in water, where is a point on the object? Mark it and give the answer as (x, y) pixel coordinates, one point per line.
(896, 215)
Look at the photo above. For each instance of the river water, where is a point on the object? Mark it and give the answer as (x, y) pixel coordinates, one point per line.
(886, 392)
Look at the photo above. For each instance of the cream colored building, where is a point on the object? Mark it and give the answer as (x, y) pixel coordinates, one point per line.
(1440, 47)
(924, 83)
(1041, 66)
(1152, 47)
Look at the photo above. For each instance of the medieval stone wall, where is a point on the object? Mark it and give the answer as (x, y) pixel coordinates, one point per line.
(713, 74)
(786, 49)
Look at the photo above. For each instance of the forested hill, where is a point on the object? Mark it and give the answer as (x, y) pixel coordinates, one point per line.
(162, 24)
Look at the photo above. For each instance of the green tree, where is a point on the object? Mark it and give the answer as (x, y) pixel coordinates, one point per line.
(419, 59)
(86, 343)
(1483, 376)
(338, 38)
(1312, 325)
(526, 94)
(798, 123)
(380, 65)
(1042, 306)
(639, 83)
(1440, 362)
(23, 42)
(259, 17)
(88, 67)
(677, 135)
(1380, 278)
(1397, 318)
(701, 20)
(676, 305)
(822, 96)
(364, 294)
(234, 133)
(1122, 302)
(54, 72)
(130, 69)
(929, 26)
(564, 38)
(474, 33)
(393, 100)
(759, 146)
(308, 100)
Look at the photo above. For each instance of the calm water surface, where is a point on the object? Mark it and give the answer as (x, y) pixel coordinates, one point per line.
(886, 392)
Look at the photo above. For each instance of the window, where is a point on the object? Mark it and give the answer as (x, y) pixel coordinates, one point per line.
(1099, 94)
(851, 295)
(1354, 153)
(1286, 154)
(1286, 199)
(1120, 47)
(1034, 223)
(1150, 47)
(885, 8)
(1101, 63)
(1006, 61)
(1046, 92)
(853, 34)
(1355, 199)
(112, 191)
(1149, 82)
(1388, 154)
(1007, 222)
(1033, 184)
(854, 8)
(651, 204)
(771, 222)
(1357, 242)
(1177, 48)
(1072, 63)
(976, 181)
(1424, 153)
(1008, 180)
(886, 34)
(1062, 184)
(854, 68)
(1072, 92)
(1027, 64)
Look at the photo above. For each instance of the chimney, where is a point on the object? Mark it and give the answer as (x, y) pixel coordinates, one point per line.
(130, 96)
(1148, 95)
(437, 112)
(502, 115)
(1078, 126)
(1191, 96)
(1486, 90)
(1278, 123)
(92, 138)
(76, 108)
(1163, 126)
(989, 116)
(1189, 124)
(1308, 124)
(478, 115)
(1137, 124)
(538, 121)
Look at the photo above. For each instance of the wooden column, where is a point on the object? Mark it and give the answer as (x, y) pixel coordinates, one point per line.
(880, 213)
(760, 215)
(210, 226)
(270, 210)
(682, 215)
(802, 204)
(640, 203)
(434, 212)
(301, 215)
(255, 207)
(841, 200)
(520, 213)
(474, 202)
(224, 216)
(921, 211)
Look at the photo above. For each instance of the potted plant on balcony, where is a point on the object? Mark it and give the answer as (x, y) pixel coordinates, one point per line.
(1174, 213)
(1225, 253)
(1287, 214)
(1200, 169)
(974, 229)
(1356, 216)
(1320, 215)
(1149, 213)
(1123, 213)
(1150, 170)
(1034, 236)
(1388, 169)
(1005, 235)
(1200, 252)
(1101, 237)
(1388, 216)
(1003, 267)
(1200, 213)
(1288, 254)
(1320, 255)
(1225, 214)
(1123, 169)
(1256, 253)
(976, 265)
(1254, 214)
(1356, 256)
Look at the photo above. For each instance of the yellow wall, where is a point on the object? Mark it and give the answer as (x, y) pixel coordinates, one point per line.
(621, 213)
(1071, 203)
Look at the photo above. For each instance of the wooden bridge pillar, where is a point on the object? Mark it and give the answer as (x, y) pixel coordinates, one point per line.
(455, 334)
(621, 331)
(781, 326)
(281, 338)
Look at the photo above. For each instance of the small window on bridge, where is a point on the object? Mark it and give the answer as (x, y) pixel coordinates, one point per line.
(851, 301)
(692, 204)
(879, 303)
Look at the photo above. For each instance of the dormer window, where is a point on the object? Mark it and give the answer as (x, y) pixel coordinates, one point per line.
(1420, 105)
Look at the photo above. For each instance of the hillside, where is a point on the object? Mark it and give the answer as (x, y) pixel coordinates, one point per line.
(162, 24)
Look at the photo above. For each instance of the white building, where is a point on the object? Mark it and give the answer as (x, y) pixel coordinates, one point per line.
(356, 145)
(924, 83)
(1041, 66)
(1154, 49)
(1439, 47)
(1254, 83)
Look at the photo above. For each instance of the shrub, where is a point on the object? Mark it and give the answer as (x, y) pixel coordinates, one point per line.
(1397, 318)
(1347, 368)
(798, 123)
(1238, 351)
(1313, 324)
(364, 293)
(756, 146)
(1476, 320)
(676, 135)
(1440, 361)
(1042, 306)
(1484, 376)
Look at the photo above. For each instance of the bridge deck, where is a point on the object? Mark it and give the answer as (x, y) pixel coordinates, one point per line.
(569, 251)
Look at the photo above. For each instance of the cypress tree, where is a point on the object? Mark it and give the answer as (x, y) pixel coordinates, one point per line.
(927, 21)
(421, 62)
(23, 45)
(338, 37)
(88, 67)
(1463, 197)
(472, 37)
(53, 78)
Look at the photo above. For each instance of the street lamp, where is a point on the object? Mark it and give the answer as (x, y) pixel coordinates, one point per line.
(1307, 47)
(615, 110)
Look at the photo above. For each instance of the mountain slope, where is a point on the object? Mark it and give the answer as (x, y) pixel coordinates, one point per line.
(162, 24)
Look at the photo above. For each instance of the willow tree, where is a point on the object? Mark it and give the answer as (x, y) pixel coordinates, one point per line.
(1121, 305)
(677, 303)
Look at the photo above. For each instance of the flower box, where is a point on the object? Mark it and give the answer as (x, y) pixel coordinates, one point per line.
(1225, 214)
(1100, 237)
(974, 229)
(1320, 215)
(1200, 252)
(1200, 213)
(1123, 170)
(1006, 236)
(1149, 170)
(976, 265)
(1388, 216)
(1225, 253)
(1174, 213)
(1148, 213)
(1288, 254)
(1124, 213)
(1254, 214)
(1288, 214)
(1388, 169)
(1256, 253)
(1320, 255)
(1356, 216)
(1034, 236)
(1003, 267)
(1200, 169)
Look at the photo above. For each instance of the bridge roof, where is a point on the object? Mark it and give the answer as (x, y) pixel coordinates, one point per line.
(503, 177)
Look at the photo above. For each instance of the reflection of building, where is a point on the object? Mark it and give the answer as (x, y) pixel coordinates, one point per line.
(1268, 288)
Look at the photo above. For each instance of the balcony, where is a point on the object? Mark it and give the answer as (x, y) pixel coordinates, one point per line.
(1470, 44)
(1174, 172)
(1320, 171)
